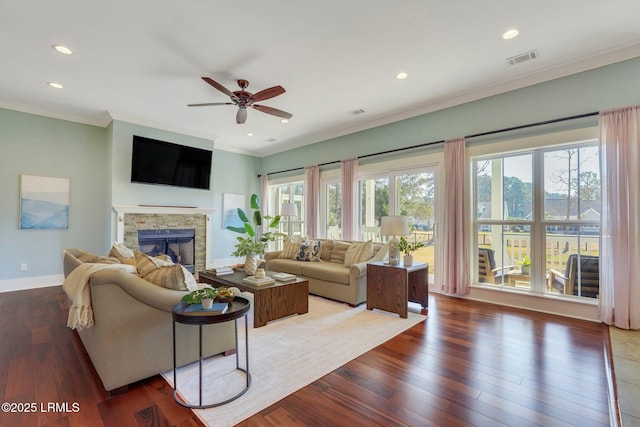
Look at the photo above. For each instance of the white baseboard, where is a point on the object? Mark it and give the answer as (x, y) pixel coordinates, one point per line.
(22, 284)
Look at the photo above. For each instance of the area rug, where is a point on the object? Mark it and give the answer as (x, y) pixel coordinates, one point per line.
(287, 355)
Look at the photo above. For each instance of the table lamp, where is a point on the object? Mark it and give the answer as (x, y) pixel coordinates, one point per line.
(289, 210)
(394, 226)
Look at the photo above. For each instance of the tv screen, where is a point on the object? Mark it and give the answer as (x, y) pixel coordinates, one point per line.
(165, 163)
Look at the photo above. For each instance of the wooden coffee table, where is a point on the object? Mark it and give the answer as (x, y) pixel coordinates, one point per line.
(270, 302)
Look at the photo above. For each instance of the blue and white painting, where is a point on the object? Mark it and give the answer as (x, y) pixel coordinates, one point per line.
(44, 202)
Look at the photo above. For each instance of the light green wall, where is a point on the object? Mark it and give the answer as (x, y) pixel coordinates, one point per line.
(97, 161)
(232, 173)
(602, 88)
(41, 146)
(130, 194)
(235, 174)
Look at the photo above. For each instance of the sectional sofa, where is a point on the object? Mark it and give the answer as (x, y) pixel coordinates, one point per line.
(336, 269)
(131, 338)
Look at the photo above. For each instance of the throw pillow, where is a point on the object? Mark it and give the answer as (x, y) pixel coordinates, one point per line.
(326, 246)
(339, 251)
(97, 259)
(358, 252)
(120, 251)
(146, 263)
(173, 276)
(290, 248)
(309, 251)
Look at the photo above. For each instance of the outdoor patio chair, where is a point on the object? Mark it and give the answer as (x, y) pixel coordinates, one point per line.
(487, 270)
(567, 282)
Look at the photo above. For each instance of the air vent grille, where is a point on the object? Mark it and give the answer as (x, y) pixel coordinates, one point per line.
(524, 57)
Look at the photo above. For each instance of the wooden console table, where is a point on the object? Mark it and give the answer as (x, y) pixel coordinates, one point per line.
(391, 287)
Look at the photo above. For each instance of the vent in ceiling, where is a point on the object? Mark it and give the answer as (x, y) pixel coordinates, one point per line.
(356, 112)
(524, 57)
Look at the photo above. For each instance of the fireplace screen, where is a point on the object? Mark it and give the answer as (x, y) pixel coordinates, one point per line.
(179, 244)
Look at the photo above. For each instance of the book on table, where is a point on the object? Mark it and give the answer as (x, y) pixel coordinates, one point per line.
(220, 271)
(284, 277)
(262, 281)
(216, 308)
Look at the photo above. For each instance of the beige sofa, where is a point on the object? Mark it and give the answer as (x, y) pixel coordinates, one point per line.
(131, 338)
(329, 277)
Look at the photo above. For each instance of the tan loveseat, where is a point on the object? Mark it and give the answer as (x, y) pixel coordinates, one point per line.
(131, 338)
(329, 277)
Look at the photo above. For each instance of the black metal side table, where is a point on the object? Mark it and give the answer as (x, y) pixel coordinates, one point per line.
(237, 308)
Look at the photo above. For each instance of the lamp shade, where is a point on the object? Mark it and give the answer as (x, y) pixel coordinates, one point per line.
(394, 226)
(289, 209)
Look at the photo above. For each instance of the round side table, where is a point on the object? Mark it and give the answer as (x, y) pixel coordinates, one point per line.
(184, 313)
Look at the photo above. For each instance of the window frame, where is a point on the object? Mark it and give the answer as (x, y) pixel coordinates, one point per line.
(537, 146)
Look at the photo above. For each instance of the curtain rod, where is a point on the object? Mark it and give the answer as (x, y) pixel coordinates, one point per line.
(475, 135)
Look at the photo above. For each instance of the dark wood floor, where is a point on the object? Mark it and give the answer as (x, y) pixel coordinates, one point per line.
(469, 363)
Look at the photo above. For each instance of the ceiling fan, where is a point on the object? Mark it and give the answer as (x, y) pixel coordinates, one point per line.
(244, 99)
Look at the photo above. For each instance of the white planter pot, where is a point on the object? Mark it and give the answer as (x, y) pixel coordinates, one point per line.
(207, 303)
(408, 260)
(251, 264)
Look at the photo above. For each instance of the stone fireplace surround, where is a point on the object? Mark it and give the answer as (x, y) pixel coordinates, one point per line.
(130, 219)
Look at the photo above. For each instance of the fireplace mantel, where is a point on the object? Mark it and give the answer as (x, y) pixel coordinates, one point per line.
(156, 209)
(121, 211)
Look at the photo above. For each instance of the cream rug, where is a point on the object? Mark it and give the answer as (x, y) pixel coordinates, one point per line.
(287, 355)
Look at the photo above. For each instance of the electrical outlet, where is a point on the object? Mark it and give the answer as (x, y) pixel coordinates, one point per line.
(23, 266)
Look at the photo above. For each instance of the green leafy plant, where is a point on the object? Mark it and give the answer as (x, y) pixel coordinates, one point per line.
(409, 248)
(252, 241)
(196, 297)
(525, 261)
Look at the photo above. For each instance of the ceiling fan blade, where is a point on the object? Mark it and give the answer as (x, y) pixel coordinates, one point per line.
(268, 93)
(273, 111)
(209, 103)
(218, 86)
(241, 116)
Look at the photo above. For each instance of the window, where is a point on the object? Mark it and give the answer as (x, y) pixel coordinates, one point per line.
(537, 220)
(409, 193)
(333, 213)
(291, 192)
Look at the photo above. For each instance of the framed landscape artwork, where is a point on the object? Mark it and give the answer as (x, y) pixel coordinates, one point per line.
(44, 202)
(230, 205)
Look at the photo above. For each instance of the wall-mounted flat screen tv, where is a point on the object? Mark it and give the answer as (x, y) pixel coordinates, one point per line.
(165, 163)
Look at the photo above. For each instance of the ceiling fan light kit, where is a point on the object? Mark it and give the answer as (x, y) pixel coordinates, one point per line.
(244, 99)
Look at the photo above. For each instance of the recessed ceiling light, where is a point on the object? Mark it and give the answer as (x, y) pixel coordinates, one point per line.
(55, 85)
(401, 76)
(510, 34)
(284, 121)
(249, 134)
(62, 49)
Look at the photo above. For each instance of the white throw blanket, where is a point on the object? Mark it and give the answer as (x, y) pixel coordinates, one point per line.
(76, 286)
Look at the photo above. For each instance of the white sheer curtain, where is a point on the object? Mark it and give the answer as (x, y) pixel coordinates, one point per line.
(620, 220)
(349, 169)
(454, 277)
(312, 199)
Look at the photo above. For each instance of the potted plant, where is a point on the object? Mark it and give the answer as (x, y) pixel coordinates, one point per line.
(408, 249)
(252, 242)
(525, 265)
(204, 296)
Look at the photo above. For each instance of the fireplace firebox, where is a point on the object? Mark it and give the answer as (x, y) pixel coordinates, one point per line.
(179, 244)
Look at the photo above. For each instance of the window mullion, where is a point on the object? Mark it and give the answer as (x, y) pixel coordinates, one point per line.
(538, 245)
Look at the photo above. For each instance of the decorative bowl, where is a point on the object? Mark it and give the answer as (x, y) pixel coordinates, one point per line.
(224, 298)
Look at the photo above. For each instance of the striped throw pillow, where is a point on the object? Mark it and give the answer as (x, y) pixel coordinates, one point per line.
(358, 252)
